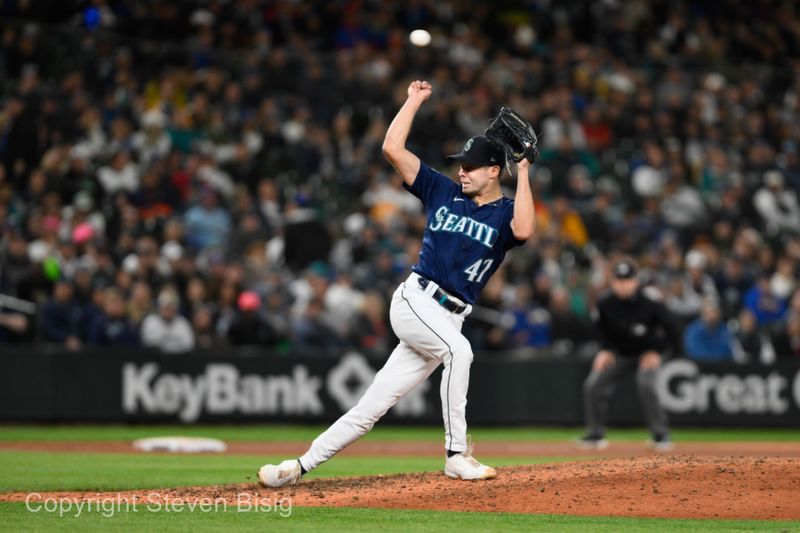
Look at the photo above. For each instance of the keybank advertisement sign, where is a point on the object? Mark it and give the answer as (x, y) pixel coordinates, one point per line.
(222, 389)
(686, 388)
(258, 386)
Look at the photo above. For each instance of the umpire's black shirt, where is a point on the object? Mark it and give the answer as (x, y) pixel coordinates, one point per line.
(635, 325)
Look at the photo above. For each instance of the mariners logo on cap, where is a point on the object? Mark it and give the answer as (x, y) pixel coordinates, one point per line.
(468, 145)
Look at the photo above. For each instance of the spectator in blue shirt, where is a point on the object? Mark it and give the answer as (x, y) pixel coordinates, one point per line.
(532, 327)
(708, 338)
(207, 224)
(766, 306)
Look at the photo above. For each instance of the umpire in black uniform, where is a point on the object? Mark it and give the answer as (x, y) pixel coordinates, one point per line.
(634, 331)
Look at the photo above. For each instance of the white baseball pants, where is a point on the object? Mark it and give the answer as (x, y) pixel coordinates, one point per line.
(429, 336)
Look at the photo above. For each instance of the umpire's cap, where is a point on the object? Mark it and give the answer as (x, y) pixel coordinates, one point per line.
(624, 269)
(479, 151)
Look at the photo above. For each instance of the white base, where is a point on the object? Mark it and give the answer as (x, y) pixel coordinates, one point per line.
(179, 445)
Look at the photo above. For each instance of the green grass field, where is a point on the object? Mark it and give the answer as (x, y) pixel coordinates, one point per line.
(15, 517)
(47, 471)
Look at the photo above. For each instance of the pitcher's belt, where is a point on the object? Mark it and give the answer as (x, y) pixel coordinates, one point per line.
(442, 298)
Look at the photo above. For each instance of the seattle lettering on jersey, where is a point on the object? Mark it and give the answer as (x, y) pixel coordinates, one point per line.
(446, 221)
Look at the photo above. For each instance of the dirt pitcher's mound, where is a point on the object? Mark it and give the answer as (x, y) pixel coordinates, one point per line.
(667, 487)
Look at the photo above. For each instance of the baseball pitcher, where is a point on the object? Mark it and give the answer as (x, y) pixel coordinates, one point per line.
(470, 227)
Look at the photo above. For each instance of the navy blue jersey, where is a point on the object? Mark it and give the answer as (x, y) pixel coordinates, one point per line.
(463, 243)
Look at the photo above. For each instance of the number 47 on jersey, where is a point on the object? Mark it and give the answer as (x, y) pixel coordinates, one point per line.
(478, 269)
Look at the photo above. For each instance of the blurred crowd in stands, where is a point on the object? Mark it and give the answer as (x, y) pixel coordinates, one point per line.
(196, 174)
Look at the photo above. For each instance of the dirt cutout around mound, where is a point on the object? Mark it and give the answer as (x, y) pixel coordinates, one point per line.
(656, 486)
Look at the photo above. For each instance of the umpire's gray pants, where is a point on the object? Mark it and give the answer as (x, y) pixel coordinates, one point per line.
(600, 385)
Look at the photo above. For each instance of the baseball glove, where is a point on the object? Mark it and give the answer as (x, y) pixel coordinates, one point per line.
(514, 134)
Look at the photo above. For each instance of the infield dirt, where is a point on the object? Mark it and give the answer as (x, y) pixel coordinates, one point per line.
(415, 448)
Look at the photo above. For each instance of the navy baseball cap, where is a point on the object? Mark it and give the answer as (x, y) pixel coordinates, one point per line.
(479, 151)
(624, 269)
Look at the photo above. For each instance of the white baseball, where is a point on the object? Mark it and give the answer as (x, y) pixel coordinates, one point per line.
(420, 38)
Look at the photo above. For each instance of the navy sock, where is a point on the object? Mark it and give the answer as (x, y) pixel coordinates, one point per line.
(303, 470)
(450, 453)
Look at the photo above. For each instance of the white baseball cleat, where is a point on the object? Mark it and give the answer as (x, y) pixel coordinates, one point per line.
(464, 466)
(286, 473)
